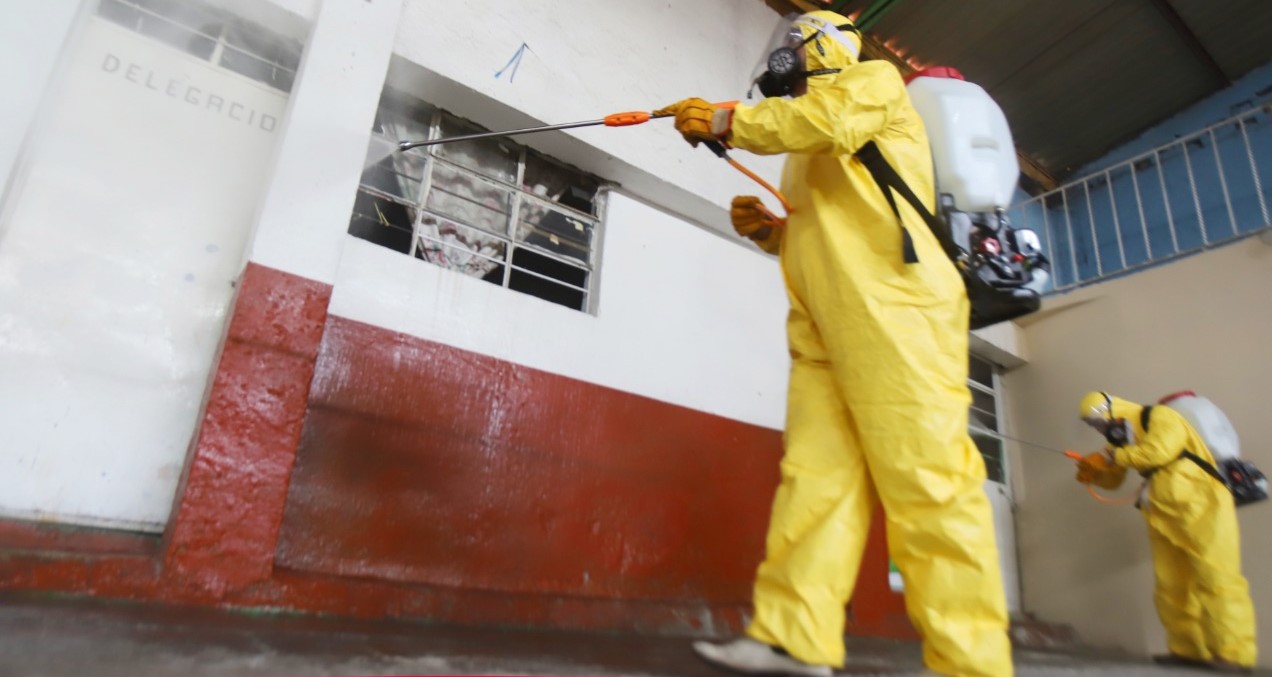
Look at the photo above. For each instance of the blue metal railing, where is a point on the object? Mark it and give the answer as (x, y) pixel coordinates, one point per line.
(1200, 191)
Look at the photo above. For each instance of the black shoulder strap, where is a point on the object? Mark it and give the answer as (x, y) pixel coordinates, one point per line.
(1204, 465)
(1145, 413)
(888, 181)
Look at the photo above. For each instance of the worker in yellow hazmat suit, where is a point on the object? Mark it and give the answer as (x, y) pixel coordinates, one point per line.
(878, 399)
(1201, 597)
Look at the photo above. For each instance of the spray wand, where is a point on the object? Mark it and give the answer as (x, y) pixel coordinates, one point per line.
(625, 119)
(1067, 453)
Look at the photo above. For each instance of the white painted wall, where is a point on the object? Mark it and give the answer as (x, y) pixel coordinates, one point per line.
(117, 260)
(305, 212)
(684, 317)
(588, 59)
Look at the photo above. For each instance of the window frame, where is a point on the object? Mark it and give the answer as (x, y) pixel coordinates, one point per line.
(432, 159)
(220, 42)
(995, 392)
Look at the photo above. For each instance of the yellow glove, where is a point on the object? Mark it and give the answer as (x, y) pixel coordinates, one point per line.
(751, 220)
(1096, 468)
(698, 120)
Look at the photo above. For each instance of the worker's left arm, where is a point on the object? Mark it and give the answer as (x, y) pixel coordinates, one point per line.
(1162, 444)
(838, 118)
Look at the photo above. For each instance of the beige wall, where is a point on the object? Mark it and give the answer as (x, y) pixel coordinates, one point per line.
(1203, 323)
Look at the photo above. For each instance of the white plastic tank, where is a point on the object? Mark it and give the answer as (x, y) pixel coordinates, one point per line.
(972, 149)
(1209, 421)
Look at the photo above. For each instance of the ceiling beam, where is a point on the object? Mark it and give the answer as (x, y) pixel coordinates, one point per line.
(1191, 41)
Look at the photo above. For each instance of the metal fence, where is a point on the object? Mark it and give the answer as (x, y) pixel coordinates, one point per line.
(1200, 191)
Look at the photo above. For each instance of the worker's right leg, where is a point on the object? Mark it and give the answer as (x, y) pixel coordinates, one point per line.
(1177, 608)
(908, 396)
(930, 479)
(821, 514)
(1212, 546)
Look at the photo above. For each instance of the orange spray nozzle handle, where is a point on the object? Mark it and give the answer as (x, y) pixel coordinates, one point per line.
(636, 117)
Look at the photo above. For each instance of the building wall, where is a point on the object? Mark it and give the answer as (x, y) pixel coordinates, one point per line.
(512, 461)
(373, 424)
(585, 60)
(1201, 324)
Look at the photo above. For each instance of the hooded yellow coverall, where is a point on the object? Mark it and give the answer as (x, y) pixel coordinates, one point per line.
(1201, 597)
(878, 398)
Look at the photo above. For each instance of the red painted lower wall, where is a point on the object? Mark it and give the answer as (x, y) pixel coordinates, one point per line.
(424, 463)
(346, 469)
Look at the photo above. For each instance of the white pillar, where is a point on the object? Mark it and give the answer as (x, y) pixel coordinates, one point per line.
(32, 35)
(305, 212)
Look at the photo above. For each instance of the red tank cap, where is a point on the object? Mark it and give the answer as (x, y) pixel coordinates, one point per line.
(1174, 396)
(936, 72)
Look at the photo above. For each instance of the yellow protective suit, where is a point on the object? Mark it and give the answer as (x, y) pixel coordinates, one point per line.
(878, 398)
(1201, 597)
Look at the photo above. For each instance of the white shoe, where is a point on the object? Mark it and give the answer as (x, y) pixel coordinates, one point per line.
(756, 658)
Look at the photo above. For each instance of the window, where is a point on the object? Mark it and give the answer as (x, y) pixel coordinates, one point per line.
(488, 208)
(211, 34)
(983, 417)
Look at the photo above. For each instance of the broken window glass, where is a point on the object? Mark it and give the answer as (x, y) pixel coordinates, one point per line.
(556, 230)
(548, 279)
(457, 247)
(469, 193)
(560, 183)
(398, 175)
(495, 158)
(469, 199)
(402, 118)
(382, 221)
(545, 219)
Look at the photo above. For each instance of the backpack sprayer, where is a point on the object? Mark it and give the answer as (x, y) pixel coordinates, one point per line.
(625, 119)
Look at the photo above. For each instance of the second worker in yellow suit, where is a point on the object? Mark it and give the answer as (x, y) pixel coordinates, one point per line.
(1202, 599)
(878, 399)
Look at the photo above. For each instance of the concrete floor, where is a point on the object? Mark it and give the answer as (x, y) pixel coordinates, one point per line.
(45, 637)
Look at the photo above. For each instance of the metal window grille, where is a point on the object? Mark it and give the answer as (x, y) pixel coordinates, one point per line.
(213, 35)
(489, 209)
(1201, 191)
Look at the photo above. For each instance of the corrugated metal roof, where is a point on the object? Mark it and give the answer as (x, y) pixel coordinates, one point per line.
(1079, 77)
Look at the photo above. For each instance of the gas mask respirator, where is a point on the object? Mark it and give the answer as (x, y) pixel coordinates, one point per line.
(1118, 433)
(785, 67)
